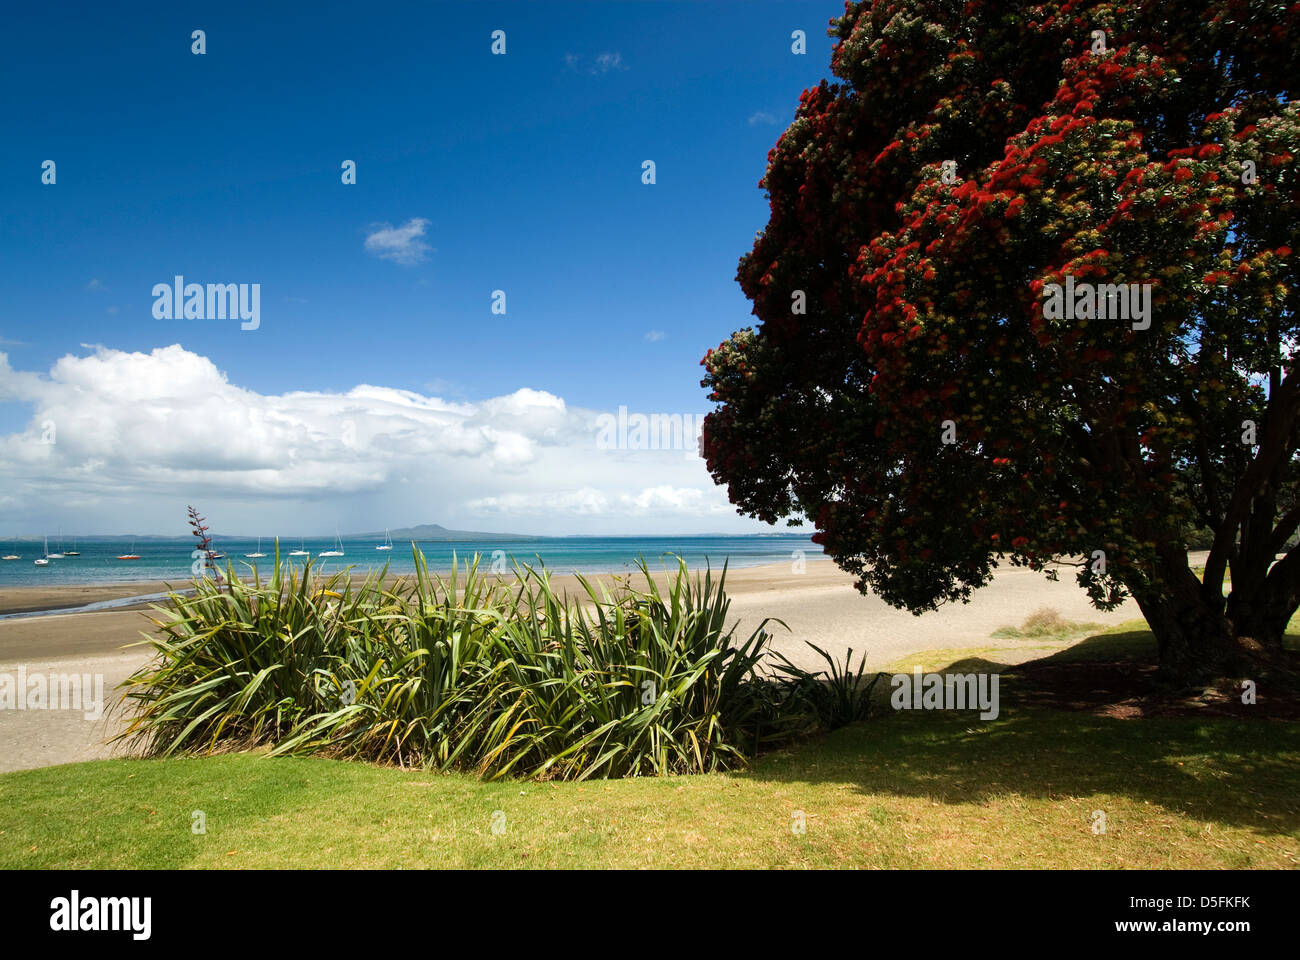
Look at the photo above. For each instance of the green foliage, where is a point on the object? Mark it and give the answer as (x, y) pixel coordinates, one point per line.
(468, 672)
(928, 412)
(839, 699)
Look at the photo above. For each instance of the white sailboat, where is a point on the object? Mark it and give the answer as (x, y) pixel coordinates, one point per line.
(300, 552)
(259, 552)
(338, 547)
(54, 556)
(45, 560)
(388, 541)
(11, 556)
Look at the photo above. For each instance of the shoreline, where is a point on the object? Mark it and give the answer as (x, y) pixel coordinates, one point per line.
(817, 606)
(29, 602)
(61, 629)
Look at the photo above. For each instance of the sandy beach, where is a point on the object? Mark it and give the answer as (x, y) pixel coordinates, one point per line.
(61, 596)
(818, 605)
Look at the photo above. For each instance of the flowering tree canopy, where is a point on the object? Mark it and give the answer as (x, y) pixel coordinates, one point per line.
(1027, 292)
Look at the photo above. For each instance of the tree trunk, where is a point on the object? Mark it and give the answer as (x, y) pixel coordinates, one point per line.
(1197, 644)
(1259, 620)
(1195, 637)
(1260, 607)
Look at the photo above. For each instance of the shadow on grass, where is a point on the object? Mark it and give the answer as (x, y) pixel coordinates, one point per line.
(1243, 772)
(1128, 645)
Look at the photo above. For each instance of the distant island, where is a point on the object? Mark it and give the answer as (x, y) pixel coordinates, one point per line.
(436, 531)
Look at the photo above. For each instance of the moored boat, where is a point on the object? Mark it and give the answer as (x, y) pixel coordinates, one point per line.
(338, 547)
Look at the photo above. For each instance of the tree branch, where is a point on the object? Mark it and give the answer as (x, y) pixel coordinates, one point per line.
(1273, 446)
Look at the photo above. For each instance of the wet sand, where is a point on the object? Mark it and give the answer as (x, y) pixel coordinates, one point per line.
(59, 597)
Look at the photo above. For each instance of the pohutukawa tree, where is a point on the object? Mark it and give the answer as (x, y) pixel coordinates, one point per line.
(946, 371)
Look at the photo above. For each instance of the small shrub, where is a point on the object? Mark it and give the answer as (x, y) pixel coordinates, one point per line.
(1044, 623)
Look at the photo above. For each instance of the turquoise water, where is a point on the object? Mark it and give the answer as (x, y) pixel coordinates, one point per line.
(170, 560)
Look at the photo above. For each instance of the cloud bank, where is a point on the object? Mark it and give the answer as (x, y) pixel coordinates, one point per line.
(113, 432)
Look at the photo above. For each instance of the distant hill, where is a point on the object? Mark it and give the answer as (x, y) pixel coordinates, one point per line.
(436, 531)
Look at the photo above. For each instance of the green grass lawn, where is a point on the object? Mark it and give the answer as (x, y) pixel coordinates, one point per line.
(909, 790)
(903, 790)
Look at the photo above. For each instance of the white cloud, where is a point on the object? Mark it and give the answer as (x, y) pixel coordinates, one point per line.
(597, 66)
(399, 244)
(133, 431)
(654, 336)
(586, 500)
(687, 501)
(762, 117)
(661, 501)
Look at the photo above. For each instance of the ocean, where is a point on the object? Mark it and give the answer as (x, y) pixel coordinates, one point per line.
(170, 559)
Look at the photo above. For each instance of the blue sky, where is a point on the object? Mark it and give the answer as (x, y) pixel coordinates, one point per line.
(519, 172)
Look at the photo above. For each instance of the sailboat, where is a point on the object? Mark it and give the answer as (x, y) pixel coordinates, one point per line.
(300, 552)
(74, 552)
(388, 541)
(132, 555)
(54, 556)
(44, 561)
(338, 547)
(11, 556)
(258, 553)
